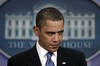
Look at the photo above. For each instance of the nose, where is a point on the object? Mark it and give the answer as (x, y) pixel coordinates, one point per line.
(56, 38)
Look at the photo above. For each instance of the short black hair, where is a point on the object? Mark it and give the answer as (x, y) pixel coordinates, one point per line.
(49, 13)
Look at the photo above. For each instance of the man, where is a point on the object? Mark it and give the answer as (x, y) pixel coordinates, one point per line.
(49, 29)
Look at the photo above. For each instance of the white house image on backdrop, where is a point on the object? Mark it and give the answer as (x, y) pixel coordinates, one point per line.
(76, 26)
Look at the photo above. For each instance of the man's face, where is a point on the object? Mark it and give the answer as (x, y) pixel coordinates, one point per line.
(50, 35)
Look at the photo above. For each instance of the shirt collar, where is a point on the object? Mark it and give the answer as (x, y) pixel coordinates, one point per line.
(42, 51)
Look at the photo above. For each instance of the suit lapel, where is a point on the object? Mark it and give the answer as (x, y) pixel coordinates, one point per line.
(33, 57)
(61, 58)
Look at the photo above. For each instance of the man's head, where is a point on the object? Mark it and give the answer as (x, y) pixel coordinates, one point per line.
(49, 28)
(49, 13)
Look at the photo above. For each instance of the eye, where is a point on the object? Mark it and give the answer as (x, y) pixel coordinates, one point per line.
(60, 33)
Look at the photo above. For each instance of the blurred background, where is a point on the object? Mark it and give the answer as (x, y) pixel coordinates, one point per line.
(17, 18)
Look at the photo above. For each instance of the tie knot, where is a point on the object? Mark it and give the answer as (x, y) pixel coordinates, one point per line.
(49, 54)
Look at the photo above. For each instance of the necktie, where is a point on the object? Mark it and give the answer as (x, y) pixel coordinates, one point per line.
(49, 62)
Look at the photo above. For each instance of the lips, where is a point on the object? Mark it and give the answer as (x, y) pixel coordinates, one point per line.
(54, 45)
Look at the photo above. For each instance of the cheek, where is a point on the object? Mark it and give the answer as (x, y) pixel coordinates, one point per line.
(47, 40)
(44, 39)
(61, 37)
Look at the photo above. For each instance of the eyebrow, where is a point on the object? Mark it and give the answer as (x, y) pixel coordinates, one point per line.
(54, 32)
(61, 31)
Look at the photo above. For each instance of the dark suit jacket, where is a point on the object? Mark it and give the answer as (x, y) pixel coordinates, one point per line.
(65, 57)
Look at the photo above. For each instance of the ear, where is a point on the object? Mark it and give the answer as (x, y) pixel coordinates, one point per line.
(36, 30)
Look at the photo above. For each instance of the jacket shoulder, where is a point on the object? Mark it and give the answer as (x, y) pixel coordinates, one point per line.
(20, 57)
(70, 51)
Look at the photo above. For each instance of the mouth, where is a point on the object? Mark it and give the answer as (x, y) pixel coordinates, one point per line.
(54, 45)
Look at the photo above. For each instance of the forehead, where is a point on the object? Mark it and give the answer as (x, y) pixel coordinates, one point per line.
(53, 25)
(54, 22)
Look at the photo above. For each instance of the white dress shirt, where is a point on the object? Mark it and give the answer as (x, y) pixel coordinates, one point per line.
(42, 55)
